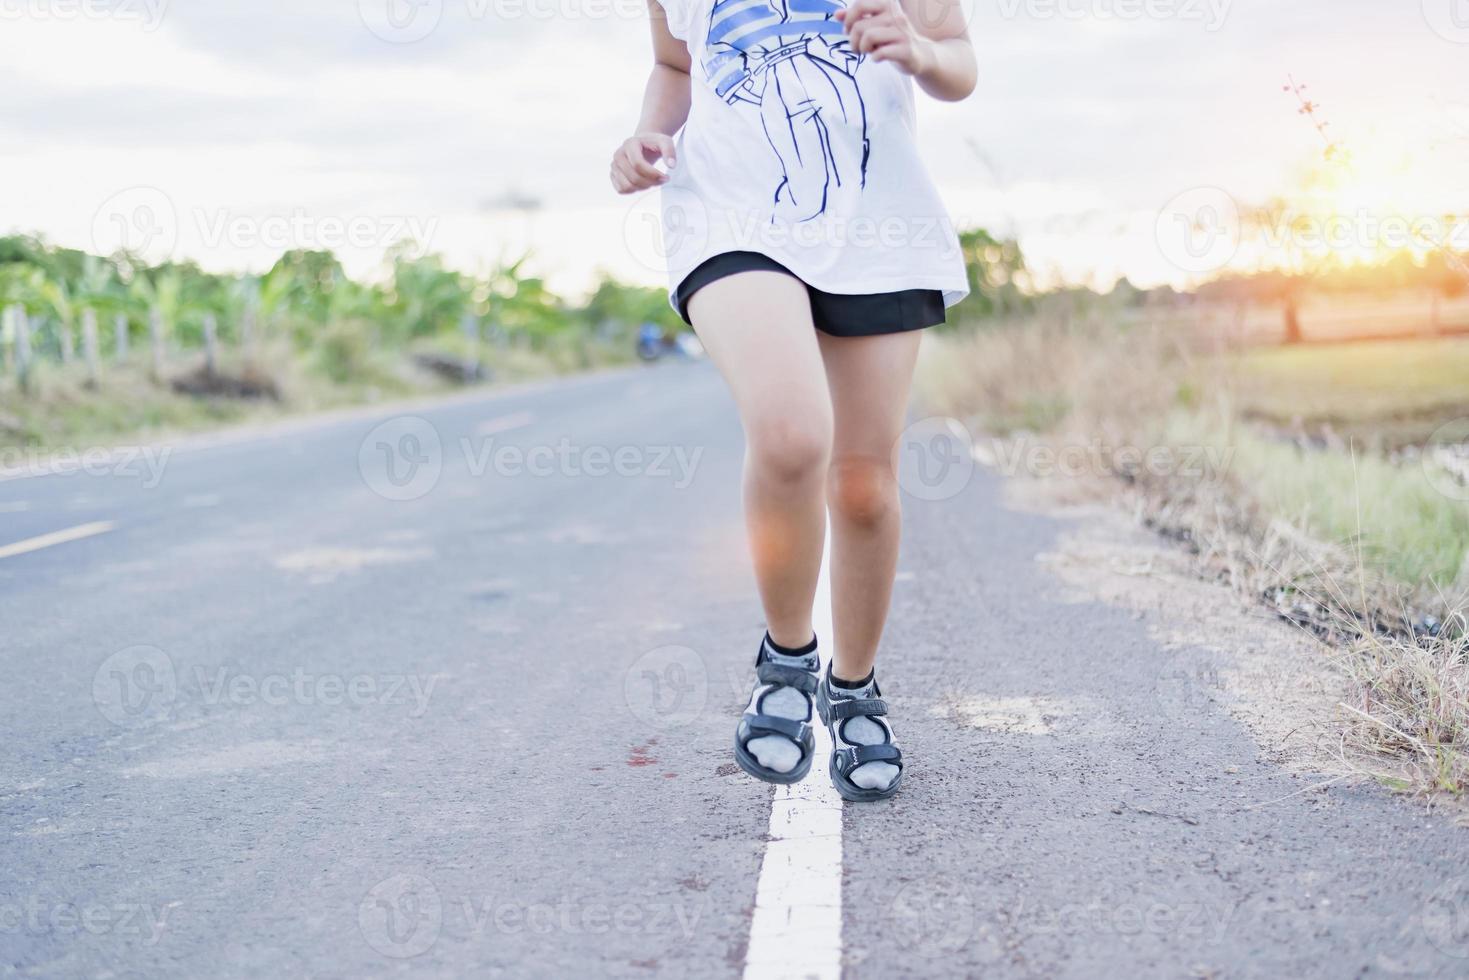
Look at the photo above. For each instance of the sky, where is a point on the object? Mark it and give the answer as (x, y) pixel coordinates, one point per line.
(227, 131)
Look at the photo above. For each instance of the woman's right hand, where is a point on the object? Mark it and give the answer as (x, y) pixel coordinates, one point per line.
(632, 164)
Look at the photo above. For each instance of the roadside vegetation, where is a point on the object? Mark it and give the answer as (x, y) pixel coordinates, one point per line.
(1325, 481)
(95, 349)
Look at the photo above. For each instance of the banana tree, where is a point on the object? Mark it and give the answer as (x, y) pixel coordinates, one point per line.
(161, 292)
(425, 298)
(521, 306)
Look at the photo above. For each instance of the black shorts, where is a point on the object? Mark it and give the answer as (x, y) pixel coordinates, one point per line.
(839, 314)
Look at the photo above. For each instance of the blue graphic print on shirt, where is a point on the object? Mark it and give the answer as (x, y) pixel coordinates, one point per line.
(790, 61)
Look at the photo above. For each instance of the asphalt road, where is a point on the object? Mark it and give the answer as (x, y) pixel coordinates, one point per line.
(453, 694)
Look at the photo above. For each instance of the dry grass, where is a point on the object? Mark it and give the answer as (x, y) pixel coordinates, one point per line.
(64, 411)
(1387, 593)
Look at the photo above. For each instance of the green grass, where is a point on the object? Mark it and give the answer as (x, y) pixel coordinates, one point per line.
(1375, 396)
(1385, 510)
(1403, 525)
(1385, 393)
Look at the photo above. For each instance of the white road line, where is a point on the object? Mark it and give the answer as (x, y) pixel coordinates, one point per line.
(56, 537)
(504, 423)
(797, 928)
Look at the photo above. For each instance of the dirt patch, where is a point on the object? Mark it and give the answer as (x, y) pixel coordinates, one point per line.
(229, 761)
(1009, 716)
(323, 565)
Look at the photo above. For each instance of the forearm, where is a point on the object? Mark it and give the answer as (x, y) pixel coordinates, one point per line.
(665, 101)
(947, 68)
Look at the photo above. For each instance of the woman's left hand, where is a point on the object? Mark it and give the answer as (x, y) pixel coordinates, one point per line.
(881, 28)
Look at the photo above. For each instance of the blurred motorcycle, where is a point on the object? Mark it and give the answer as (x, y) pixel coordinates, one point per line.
(653, 345)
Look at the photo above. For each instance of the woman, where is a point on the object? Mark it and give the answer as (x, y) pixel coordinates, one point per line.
(808, 248)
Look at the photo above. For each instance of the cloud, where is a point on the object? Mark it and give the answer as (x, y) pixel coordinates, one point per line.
(278, 104)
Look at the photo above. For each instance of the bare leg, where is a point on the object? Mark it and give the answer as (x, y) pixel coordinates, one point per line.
(869, 379)
(757, 328)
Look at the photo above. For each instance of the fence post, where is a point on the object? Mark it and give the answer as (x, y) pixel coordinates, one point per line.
(247, 330)
(23, 349)
(120, 336)
(68, 341)
(155, 335)
(7, 337)
(249, 312)
(89, 347)
(469, 324)
(211, 345)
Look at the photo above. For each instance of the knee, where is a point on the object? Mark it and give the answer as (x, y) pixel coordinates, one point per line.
(862, 490)
(790, 449)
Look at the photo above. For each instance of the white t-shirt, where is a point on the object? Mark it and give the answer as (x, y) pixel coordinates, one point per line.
(800, 149)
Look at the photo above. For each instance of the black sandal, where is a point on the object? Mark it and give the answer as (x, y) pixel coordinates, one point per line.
(845, 760)
(753, 724)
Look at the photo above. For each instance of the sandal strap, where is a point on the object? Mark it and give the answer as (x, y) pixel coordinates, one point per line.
(802, 680)
(797, 731)
(857, 708)
(850, 758)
